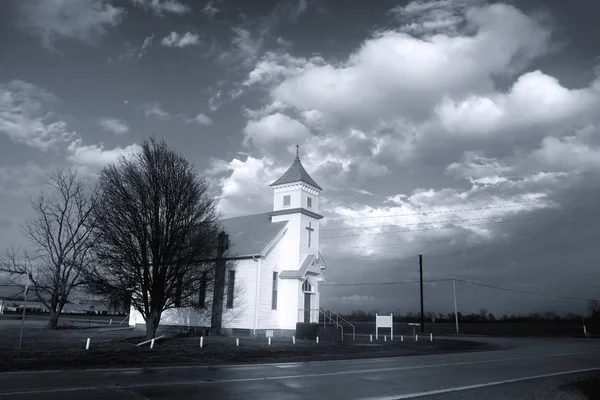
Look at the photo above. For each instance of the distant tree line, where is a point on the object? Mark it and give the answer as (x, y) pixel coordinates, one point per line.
(482, 316)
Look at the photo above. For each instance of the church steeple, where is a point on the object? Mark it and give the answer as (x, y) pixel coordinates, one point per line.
(296, 173)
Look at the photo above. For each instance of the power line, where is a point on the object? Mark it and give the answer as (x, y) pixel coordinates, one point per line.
(521, 291)
(457, 280)
(439, 212)
(384, 283)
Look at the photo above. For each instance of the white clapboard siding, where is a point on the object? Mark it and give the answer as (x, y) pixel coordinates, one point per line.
(290, 242)
(268, 318)
(242, 313)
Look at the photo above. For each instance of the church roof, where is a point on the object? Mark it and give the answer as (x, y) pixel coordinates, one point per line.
(296, 173)
(251, 234)
(312, 265)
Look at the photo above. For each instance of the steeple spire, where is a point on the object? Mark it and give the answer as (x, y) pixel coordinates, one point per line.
(296, 173)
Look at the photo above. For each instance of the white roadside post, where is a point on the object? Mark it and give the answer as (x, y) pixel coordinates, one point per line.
(152, 344)
(237, 342)
(371, 338)
(293, 339)
(87, 344)
(201, 341)
(402, 338)
(392, 326)
(269, 340)
(431, 337)
(385, 338)
(416, 338)
(317, 340)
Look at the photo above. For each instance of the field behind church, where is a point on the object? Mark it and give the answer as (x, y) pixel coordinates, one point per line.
(65, 348)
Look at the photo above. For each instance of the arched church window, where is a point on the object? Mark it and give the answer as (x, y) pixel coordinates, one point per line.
(306, 286)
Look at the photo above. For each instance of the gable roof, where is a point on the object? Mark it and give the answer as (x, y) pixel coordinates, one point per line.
(296, 173)
(312, 265)
(251, 234)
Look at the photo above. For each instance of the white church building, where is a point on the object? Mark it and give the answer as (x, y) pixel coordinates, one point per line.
(278, 266)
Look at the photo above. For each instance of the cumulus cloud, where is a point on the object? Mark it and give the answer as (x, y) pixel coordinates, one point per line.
(414, 116)
(26, 119)
(175, 39)
(201, 119)
(155, 110)
(113, 125)
(534, 100)
(274, 131)
(160, 7)
(210, 10)
(246, 47)
(95, 156)
(244, 182)
(83, 20)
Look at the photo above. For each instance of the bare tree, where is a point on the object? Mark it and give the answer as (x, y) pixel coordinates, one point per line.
(60, 234)
(155, 222)
(593, 306)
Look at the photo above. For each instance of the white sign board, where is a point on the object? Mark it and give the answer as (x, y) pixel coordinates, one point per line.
(384, 321)
(269, 333)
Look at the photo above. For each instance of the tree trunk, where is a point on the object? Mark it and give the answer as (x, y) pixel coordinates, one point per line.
(219, 286)
(53, 323)
(152, 323)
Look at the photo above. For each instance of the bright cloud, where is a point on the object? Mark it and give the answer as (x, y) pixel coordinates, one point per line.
(274, 131)
(96, 156)
(175, 39)
(25, 119)
(84, 20)
(160, 7)
(155, 110)
(113, 125)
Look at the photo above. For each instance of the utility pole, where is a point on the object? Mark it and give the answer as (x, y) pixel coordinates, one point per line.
(455, 309)
(422, 309)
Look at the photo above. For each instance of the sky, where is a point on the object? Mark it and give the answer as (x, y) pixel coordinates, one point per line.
(466, 131)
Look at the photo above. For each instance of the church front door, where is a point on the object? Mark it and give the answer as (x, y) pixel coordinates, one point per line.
(306, 308)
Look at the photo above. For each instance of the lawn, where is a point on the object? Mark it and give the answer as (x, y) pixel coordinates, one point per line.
(65, 348)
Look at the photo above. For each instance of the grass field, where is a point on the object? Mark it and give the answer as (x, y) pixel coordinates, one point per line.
(65, 349)
(536, 329)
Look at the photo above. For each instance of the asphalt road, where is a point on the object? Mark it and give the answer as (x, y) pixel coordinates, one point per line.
(512, 373)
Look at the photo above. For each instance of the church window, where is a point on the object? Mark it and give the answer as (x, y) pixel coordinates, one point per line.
(309, 202)
(306, 286)
(287, 200)
(230, 288)
(202, 294)
(275, 287)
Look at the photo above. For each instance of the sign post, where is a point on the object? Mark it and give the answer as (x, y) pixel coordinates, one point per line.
(384, 321)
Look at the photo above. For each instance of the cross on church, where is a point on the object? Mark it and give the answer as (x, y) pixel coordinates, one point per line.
(297, 151)
(310, 230)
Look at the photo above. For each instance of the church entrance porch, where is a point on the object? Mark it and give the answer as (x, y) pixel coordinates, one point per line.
(307, 308)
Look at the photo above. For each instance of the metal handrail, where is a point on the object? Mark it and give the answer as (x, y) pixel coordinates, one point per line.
(338, 317)
(338, 325)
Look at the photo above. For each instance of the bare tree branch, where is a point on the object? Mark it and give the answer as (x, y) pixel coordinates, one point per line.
(60, 234)
(155, 220)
